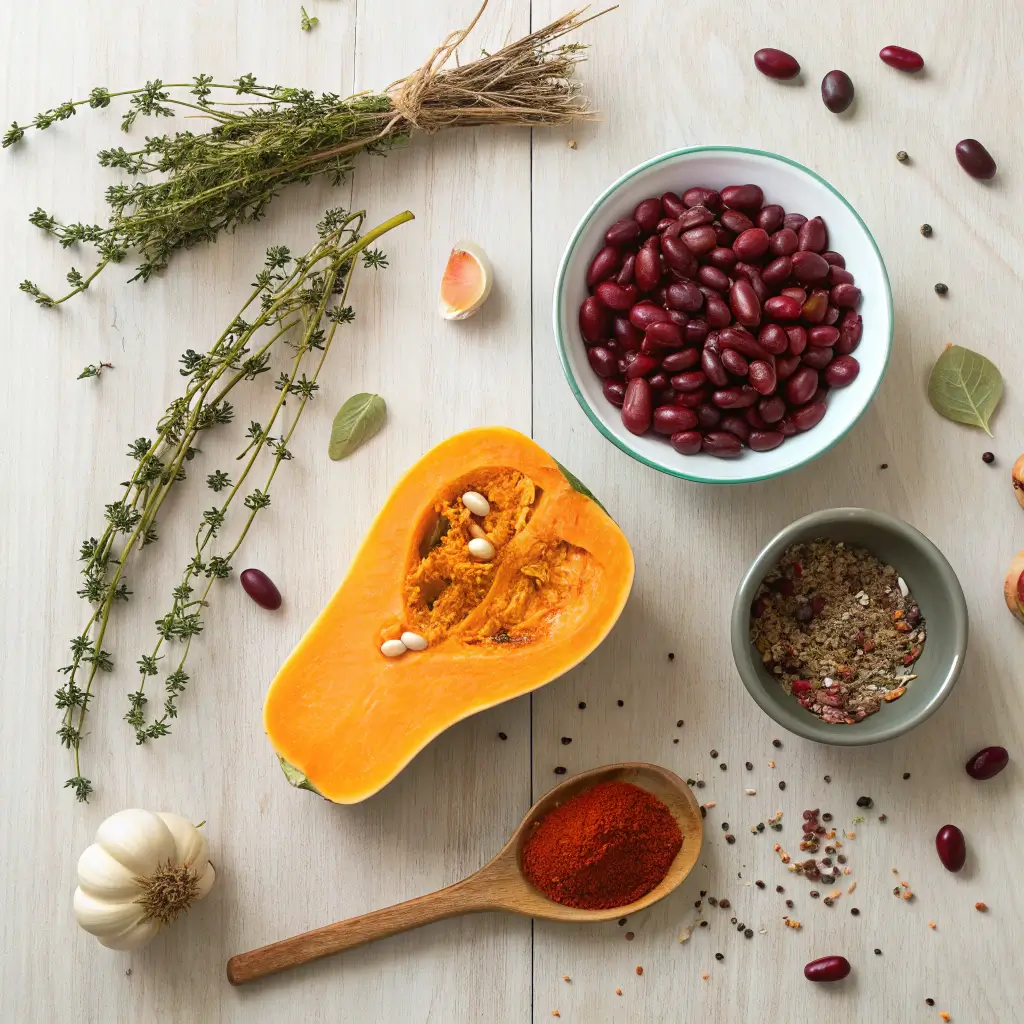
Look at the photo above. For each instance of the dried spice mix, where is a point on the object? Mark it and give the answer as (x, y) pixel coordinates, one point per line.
(838, 628)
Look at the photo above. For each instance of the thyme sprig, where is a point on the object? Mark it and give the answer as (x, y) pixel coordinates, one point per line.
(295, 301)
(187, 188)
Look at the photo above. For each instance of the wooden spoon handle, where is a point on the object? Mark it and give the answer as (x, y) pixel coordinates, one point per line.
(465, 897)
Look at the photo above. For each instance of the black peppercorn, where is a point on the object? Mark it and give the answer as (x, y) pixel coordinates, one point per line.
(566, 740)
(930, 1002)
(691, 782)
(700, 783)
(926, 230)
(679, 724)
(854, 911)
(906, 775)
(828, 778)
(671, 656)
(723, 766)
(714, 753)
(759, 884)
(703, 811)
(826, 816)
(988, 457)
(865, 801)
(814, 894)
(620, 703)
(730, 839)
(782, 785)
(776, 743)
(780, 888)
(878, 952)
(725, 826)
(733, 920)
(582, 704)
(748, 766)
(560, 770)
(902, 156)
(502, 736)
(941, 289)
(724, 904)
(719, 956)
(789, 903)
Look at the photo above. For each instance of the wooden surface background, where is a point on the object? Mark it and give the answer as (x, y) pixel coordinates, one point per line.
(665, 75)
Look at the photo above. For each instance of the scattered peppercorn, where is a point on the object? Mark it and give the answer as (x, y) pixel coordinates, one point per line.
(828, 778)
(841, 858)
(854, 911)
(748, 766)
(759, 884)
(883, 817)
(676, 740)
(671, 656)
(760, 826)
(566, 740)
(941, 289)
(828, 901)
(621, 703)
(748, 933)
(622, 921)
(782, 785)
(884, 465)
(926, 230)
(730, 839)
(714, 753)
(703, 811)
(719, 956)
(691, 782)
(789, 903)
(703, 893)
(502, 736)
(740, 927)
(827, 816)
(988, 457)
(902, 156)
(814, 894)
(703, 924)
(639, 970)
(725, 826)
(878, 952)
(713, 901)
(723, 766)
(733, 920)
(776, 743)
(930, 1002)
(679, 724)
(560, 770)
(779, 888)
(629, 936)
(865, 801)
(906, 775)
(724, 904)
(700, 783)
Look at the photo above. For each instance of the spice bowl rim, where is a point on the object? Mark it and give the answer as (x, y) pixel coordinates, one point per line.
(780, 706)
(751, 467)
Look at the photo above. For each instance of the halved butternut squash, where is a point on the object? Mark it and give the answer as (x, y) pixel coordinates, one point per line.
(345, 719)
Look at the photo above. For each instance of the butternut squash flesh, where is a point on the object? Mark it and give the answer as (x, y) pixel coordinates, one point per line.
(343, 718)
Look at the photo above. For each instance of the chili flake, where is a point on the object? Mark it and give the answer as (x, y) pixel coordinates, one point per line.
(981, 906)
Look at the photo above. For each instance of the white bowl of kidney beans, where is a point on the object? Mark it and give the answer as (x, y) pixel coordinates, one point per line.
(723, 314)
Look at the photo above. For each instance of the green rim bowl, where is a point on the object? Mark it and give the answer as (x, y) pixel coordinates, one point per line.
(796, 188)
(932, 582)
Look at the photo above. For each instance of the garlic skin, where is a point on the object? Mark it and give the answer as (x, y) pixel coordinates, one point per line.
(143, 870)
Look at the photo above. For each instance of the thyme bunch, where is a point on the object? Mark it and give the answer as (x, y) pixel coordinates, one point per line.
(298, 302)
(187, 188)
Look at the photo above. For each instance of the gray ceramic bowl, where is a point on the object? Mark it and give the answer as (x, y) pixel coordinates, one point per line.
(932, 582)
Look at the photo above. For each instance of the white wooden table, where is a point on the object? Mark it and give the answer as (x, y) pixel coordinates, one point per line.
(664, 75)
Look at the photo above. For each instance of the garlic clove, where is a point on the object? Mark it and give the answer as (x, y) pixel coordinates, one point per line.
(137, 839)
(136, 935)
(100, 876)
(102, 917)
(189, 842)
(466, 282)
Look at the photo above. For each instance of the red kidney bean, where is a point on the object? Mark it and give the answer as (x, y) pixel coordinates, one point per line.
(753, 418)
(626, 360)
(676, 362)
(987, 762)
(951, 847)
(696, 331)
(735, 221)
(734, 363)
(684, 295)
(773, 339)
(753, 275)
(796, 339)
(837, 91)
(794, 221)
(721, 444)
(737, 426)
(765, 440)
(711, 342)
(636, 406)
(724, 236)
(641, 365)
(833, 259)
(839, 275)
(785, 428)
(616, 296)
(696, 217)
(714, 368)
(845, 296)
(660, 294)
(713, 278)
(800, 294)
(665, 223)
(724, 259)
(776, 63)
(751, 244)
(622, 232)
(708, 416)
(648, 213)
(603, 265)
(784, 242)
(820, 395)
(831, 315)
(827, 968)
(782, 307)
(817, 358)
(769, 218)
(593, 320)
(602, 361)
(742, 341)
(813, 235)
(841, 371)
(671, 419)
(677, 316)
(772, 409)
(807, 416)
(669, 335)
(900, 58)
(716, 311)
(615, 391)
(663, 396)
(688, 442)
(777, 273)
(850, 331)
(645, 313)
(652, 242)
(735, 398)
(815, 307)
(700, 240)
(801, 385)
(744, 304)
(672, 205)
(743, 197)
(614, 347)
(823, 337)
(628, 337)
(691, 399)
(975, 159)
(261, 588)
(625, 275)
(809, 267)
(701, 196)
(647, 269)
(762, 377)
(678, 256)
(691, 381)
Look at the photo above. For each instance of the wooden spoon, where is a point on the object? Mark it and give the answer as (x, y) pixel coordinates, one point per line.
(498, 885)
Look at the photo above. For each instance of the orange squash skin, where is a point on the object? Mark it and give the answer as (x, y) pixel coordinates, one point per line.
(350, 719)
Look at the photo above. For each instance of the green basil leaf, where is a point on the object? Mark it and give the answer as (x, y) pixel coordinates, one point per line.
(966, 387)
(357, 421)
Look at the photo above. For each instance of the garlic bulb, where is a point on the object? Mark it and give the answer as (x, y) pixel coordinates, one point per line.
(144, 869)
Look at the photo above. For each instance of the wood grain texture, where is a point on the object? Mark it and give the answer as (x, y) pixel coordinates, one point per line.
(664, 75)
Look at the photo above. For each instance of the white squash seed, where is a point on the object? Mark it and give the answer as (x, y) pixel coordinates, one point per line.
(476, 530)
(392, 648)
(476, 503)
(413, 641)
(481, 548)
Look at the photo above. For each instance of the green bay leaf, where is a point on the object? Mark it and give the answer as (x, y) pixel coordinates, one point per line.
(966, 387)
(357, 421)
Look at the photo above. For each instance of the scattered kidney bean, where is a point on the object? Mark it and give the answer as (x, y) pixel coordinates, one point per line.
(813, 236)
(809, 267)
(827, 968)
(700, 196)
(721, 257)
(737, 426)
(724, 236)
(602, 361)
(628, 336)
(708, 416)
(736, 222)
(807, 416)
(640, 366)
(648, 213)
(785, 428)
(622, 232)
(822, 337)
(603, 265)
(261, 588)
(615, 391)
(696, 331)
(684, 295)
(713, 367)
(773, 339)
(832, 314)
(837, 91)
(695, 217)
(845, 296)
(815, 308)
(616, 296)
(751, 244)
(625, 275)
(742, 341)
(783, 307)
(833, 259)
(669, 335)
(975, 159)
(773, 408)
(765, 440)
(850, 330)
(839, 275)
(713, 278)
(762, 377)
(753, 276)
(801, 385)
(735, 398)
(776, 273)
(672, 419)
(721, 444)
(734, 363)
(744, 304)
(690, 399)
(794, 221)
(784, 242)
(701, 240)
(754, 418)
(817, 358)
(647, 269)
(672, 205)
(841, 371)
(770, 217)
(987, 762)
(743, 197)
(776, 63)
(800, 294)
(951, 847)
(796, 337)
(716, 311)
(645, 313)
(688, 442)
(676, 362)
(900, 58)
(691, 381)
(678, 256)
(593, 320)
(636, 406)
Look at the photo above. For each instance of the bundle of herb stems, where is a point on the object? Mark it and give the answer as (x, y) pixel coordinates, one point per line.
(204, 184)
(298, 302)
